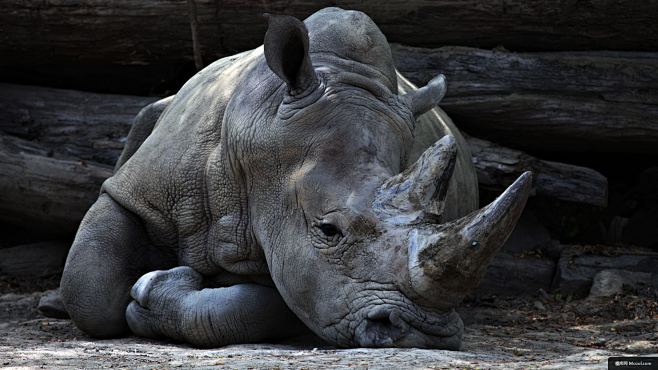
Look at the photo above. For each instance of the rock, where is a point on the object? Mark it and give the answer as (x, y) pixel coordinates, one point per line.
(18, 307)
(538, 305)
(51, 305)
(606, 283)
(34, 260)
(509, 275)
(578, 266)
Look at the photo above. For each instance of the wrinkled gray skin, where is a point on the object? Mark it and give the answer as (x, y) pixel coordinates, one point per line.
(274, 181)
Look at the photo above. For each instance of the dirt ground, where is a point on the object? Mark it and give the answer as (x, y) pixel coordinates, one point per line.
(547, 331)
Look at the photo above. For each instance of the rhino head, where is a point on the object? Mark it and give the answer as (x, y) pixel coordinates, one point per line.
(356, 243)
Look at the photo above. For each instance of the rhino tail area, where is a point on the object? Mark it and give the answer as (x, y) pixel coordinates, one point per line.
(142, 127)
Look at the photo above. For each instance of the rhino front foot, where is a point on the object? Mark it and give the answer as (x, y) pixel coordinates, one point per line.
(171, 304)
(111, 250)
(159, 299)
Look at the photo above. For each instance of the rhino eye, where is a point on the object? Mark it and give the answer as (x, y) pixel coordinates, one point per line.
(329, 230)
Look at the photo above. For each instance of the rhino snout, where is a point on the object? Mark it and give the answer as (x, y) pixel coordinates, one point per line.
(389, 326)
(382, 327)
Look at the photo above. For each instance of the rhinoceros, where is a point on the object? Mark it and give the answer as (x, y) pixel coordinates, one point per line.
(301, 185)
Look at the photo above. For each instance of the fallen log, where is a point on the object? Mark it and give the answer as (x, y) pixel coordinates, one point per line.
(550, 102)
(49, 195)
(538, 102)
(71, 124)
(142, 31)
(50, 171)
(120, 35)
(497, 167)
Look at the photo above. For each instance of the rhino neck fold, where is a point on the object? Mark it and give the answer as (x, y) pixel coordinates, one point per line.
(233, 247)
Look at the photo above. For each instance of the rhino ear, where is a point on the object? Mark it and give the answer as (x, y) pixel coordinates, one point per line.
(426, 97)
(286, 52)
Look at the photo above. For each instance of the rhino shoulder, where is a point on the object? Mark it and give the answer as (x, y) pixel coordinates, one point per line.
(163, 182)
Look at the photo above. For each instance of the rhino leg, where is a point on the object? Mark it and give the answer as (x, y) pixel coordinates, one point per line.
(110, 251)
(172, 304)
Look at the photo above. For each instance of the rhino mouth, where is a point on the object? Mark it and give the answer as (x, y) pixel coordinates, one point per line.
(394, 326)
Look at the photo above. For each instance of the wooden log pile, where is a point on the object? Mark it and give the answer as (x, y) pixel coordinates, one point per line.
(581, 77)
(549, 101)
(57, 147)
(534, 85)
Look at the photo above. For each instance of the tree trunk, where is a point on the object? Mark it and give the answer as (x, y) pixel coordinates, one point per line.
(550, 102)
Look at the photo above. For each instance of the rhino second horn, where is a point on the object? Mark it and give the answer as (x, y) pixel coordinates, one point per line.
(448, 261)
(426, 181)
(427, 97)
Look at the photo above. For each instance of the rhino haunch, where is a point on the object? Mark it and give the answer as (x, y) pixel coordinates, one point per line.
(301, 184)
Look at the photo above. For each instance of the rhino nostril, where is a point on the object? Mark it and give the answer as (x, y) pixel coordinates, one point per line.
(381, 328)
(381, 321)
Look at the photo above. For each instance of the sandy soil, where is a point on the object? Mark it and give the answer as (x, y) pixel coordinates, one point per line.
(537, 332)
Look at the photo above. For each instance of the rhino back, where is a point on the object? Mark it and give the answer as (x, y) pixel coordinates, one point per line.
(462, 197)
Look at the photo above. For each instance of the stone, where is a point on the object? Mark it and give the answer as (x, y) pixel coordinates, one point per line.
(607, 283)
(578, 266)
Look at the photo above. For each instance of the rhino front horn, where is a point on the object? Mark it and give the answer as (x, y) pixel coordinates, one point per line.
(447, 261)
(427, 97)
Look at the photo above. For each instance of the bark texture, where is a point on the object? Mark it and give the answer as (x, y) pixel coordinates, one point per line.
(45, 194)
(143, 31)
(57, 147)
(498, 166)
(67, 123)
(549, 102)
